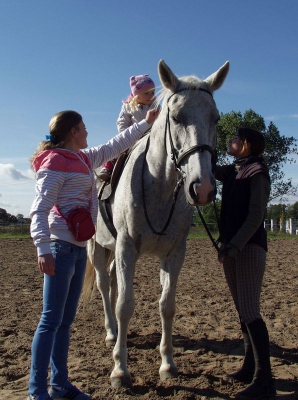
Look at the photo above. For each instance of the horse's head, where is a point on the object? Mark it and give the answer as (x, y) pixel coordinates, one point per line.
(191, 117)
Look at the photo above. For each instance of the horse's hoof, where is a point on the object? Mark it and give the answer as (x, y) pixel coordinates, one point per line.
(117, 383)
(110, 342)
(170, 373)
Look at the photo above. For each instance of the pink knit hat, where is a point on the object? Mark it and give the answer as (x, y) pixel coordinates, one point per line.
(140, 83)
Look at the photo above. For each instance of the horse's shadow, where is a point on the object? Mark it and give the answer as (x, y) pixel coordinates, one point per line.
(224, 347)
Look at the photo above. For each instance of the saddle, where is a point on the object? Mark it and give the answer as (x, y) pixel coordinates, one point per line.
(106, 188)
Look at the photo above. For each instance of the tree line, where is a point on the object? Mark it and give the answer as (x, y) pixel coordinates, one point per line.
(7, 218)
(279, 149)
(282, 211)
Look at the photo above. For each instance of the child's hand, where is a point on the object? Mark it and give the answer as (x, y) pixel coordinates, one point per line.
(152, 115)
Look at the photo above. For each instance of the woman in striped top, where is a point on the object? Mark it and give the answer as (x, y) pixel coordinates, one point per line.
(65, 181)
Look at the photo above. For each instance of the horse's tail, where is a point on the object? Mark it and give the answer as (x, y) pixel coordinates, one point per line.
(89, 274)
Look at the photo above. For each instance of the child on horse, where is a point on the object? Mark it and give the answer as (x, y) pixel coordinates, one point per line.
(133, 109)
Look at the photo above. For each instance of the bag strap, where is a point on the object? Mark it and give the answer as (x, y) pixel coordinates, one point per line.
(90, 172)
(56, 210)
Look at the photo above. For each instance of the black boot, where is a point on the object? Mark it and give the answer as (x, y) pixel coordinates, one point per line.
(246, 372)
(263, 385)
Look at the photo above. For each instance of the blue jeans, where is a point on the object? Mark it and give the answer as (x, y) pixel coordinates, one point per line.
(61, 294)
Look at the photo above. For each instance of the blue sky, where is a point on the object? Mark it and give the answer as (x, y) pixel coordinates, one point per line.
(79, 54)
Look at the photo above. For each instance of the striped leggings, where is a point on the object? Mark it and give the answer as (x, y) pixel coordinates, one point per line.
(244, 275)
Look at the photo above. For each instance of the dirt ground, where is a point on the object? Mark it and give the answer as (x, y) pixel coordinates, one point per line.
(206, 336)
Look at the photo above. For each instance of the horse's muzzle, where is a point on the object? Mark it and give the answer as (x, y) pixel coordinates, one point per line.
(201, 194)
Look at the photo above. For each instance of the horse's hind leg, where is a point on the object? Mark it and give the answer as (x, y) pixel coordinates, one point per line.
(103, 284)
(169, 274)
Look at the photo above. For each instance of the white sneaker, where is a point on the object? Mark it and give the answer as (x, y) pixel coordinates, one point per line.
(68, 392)
(45, 396)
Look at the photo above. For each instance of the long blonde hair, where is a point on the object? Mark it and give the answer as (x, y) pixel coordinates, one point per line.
(59, 127)
(133, 101)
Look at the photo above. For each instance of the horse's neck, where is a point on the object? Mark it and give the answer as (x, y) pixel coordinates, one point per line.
(161, 165)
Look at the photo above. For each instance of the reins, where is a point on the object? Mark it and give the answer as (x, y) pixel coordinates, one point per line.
(214, 242)
(175, 194)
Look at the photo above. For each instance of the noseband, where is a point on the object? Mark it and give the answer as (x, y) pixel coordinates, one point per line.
(199, 147)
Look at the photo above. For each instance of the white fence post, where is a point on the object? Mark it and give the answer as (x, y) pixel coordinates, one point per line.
(267, 225)
(273, 225)
(292, 226)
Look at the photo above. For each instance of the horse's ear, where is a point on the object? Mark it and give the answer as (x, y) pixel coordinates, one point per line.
(167, 77)
(217, 78)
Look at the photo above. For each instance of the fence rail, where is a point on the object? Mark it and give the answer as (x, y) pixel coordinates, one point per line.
(288, 226)
(15, 229)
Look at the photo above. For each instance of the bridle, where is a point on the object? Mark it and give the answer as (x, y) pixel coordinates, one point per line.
(199, 147)
(177, 161)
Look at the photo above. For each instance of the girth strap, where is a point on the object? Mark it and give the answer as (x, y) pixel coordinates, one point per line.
(106, 213)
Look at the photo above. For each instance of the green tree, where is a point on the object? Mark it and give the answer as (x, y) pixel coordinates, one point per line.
(12, 219)
(279, 149)
(3, 216)
(293, 211)
(277, 211)
(209, 215)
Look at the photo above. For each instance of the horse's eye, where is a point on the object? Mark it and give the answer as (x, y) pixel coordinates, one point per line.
(175, 120)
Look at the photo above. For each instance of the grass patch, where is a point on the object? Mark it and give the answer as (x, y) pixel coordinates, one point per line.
(15, 231)
(281, 235)
(14, 236)
(200, 233)
(195, 233)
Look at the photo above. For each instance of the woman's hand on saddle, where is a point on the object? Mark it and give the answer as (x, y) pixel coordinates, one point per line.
(152, 115)
(46, 264)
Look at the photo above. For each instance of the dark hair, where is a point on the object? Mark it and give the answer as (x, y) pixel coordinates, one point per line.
(253, 137)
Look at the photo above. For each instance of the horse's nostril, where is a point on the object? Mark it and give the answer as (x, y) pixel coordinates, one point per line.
(193, 187)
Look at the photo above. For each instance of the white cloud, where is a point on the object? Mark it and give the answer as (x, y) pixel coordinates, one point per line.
(280, 116)
(9, 171)
(17, 189)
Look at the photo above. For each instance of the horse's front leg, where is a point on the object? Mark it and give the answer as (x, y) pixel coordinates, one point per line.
(103, 284)
(169, 273)
(125, 267)
(113, 288)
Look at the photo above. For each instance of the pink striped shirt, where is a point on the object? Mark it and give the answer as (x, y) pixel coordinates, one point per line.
(65, 179)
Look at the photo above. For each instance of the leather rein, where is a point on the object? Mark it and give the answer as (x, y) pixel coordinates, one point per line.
(177, 161)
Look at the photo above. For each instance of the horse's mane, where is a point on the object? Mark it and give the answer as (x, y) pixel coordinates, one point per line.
(185, 82)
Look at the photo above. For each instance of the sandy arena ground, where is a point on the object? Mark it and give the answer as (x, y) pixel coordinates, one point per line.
(206, 337)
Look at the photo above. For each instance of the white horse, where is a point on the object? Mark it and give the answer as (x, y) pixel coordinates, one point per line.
(150, 215)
